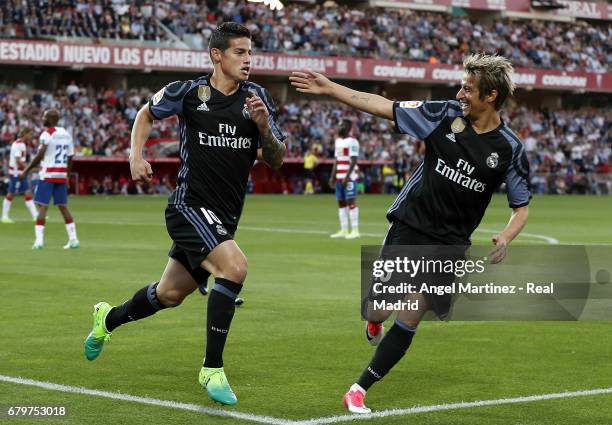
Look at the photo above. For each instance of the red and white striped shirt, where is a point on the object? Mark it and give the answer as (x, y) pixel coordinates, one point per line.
(344, 150)
(59, 148)
(17, 155)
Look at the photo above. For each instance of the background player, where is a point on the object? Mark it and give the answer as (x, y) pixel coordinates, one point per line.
(469, 153)
(55, 152)
(226, 123)
(17, 163)
(345, 173)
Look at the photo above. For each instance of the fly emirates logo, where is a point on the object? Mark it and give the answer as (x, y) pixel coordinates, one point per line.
(226, 138)
(460, 175)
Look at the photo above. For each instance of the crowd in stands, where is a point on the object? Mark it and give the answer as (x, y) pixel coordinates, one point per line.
(319, 30)
(571, 145)
(69, 18)
(99, 120)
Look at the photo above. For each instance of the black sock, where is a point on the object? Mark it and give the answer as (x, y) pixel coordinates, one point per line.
(219, 316)
(390, 350)
(143, 304)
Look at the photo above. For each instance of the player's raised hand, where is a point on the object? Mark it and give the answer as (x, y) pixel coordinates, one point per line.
(499, 252)
(141, 170)
(310, 82)
(257, 110)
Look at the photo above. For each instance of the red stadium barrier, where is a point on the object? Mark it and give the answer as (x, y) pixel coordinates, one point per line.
(264, 179)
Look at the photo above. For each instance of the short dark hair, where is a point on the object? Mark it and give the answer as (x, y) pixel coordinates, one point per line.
(221, 36)
(345, 127)
(53, 116)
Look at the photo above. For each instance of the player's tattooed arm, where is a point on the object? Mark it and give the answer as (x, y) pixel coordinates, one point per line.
(315, 83)
(273, 150)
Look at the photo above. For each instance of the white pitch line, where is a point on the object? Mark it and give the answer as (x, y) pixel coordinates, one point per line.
(315, 421)
(146, 400)
(548, 239)
(381, 235)
(452, 406)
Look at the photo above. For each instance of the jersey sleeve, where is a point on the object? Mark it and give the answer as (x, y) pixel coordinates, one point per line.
(517, 178)
(45, 138)
(420, 118)
(21, 152)
(272, 111)
(353, 148)
(169, 100)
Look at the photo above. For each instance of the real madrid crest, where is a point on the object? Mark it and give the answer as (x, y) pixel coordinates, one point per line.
(413, 104)
(493, 160)
(458, 125)
(204, 96)
(245, 113)
(221, 230)
(157, 97)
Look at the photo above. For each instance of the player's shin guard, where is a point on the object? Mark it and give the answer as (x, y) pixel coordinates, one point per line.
(220, 312)
(31, 206)
(39, 232)
(143, 304)
(344, 220)
(6, 206)
(354, 215)
(71, 230)
(390, 350)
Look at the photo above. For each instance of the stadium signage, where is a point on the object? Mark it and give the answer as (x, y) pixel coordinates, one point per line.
(573, 8)
(524, 78)
(447, 74)
(20, 52)
(564, 81)
(417, 73)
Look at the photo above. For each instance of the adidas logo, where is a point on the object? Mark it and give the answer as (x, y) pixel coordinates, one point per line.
(451, 137)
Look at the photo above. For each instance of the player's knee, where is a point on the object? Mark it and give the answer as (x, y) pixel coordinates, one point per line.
(170, 297)
(236, 270)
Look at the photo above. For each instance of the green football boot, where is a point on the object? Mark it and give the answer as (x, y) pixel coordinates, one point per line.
(98, 335)
(215, 382)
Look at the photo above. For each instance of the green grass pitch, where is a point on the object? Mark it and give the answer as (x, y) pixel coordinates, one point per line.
(297, 343)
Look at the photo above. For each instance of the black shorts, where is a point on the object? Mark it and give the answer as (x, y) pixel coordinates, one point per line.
(195, 232)
(428, 247)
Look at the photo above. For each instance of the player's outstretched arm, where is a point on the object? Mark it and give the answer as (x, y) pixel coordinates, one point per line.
(273, 150)
(141, 169)
(315, 83)
(515, 225)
